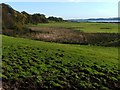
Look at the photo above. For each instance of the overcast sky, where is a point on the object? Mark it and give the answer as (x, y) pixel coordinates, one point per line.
(70, 10)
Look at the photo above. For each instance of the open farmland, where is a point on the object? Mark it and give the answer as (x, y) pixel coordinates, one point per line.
(29, 64)
(84, 27)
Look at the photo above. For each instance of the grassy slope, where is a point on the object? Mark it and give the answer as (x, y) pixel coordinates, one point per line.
(59, 65)
(85, 27)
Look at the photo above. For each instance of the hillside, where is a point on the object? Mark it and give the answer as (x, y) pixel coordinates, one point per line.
(29, 64)
(14, 22)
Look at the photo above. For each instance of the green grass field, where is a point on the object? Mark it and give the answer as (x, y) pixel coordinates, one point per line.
(85, 27)
(36, 64)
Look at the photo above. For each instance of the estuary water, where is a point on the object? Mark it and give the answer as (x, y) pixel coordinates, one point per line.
(109, 21)
(103, 21)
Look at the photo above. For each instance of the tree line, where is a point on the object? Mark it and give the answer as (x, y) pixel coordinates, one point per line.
(12, 19)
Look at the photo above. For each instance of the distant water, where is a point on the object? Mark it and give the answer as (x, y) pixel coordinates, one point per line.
(103, 20)
(85, 20)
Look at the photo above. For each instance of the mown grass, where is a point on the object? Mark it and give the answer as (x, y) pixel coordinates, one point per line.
(85, 27)
(29, 64)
